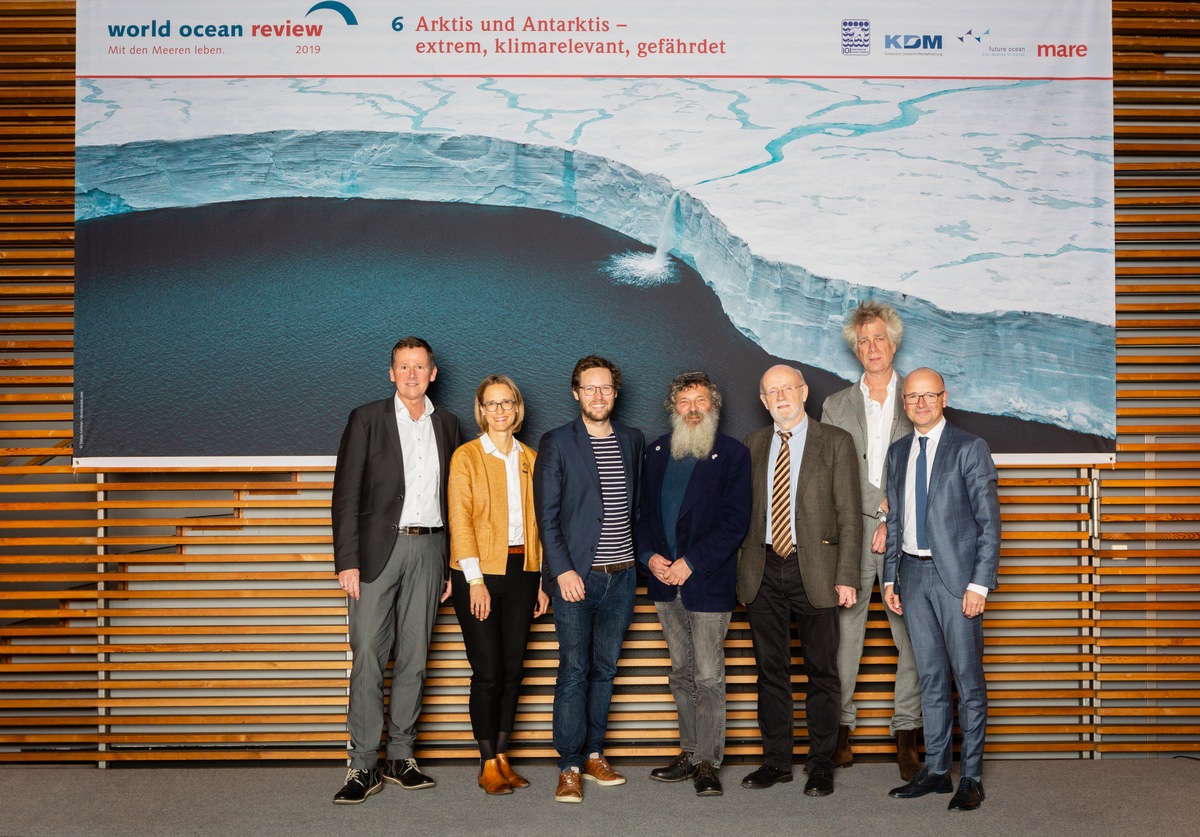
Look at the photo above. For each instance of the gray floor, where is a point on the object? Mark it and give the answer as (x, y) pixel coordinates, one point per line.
(1155, 797)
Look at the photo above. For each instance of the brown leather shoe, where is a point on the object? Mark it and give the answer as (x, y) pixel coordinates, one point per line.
(598, 770)
(843, 756)
(511, 776)
(570, 787)
(906, 753)
(492, 780)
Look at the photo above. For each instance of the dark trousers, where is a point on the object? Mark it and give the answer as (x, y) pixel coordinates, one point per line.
(781, 597)
(496, 645)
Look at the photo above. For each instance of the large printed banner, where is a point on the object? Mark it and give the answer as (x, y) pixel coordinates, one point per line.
(271, 192)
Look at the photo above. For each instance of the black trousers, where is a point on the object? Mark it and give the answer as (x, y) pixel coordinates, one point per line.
(780, 598)
(496, 645)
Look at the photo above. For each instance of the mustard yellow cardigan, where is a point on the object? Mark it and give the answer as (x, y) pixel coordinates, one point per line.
(477, 493)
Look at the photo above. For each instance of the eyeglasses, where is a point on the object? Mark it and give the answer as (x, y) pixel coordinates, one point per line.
(775, 393)
(605, 389)
(914, 397)
(505, 405)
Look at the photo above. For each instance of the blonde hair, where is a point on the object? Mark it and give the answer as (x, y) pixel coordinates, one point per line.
(493, 380)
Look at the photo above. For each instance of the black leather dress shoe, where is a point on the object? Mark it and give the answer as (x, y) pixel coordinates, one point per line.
(706, 781)
(924, 782)
(405, 773)
(968, 796)
(680, 768)
(820, 782)
(359, 785)
(766, 776)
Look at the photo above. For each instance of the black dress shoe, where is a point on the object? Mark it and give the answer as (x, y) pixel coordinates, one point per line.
(924, 782)
(680, 768)
(359, 785)
(968, 796)
(766, 776)
(706, 781)
(820, 782)
(405, 773)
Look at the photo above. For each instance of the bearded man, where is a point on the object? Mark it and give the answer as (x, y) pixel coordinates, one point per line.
(694, 513)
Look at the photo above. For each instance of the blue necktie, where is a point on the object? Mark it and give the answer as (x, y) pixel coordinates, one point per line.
(922, 492)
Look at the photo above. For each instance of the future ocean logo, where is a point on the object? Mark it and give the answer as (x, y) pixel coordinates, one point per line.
(980, 40)
(856, 37)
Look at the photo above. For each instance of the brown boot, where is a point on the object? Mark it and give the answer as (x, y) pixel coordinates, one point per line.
(511, 776)
(906, 753)
(492, 780)
(843, 756)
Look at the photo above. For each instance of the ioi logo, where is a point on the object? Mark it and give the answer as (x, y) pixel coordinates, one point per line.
(856, 37)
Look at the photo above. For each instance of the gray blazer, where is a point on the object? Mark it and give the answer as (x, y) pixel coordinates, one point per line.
(845, 409)
(828, 524)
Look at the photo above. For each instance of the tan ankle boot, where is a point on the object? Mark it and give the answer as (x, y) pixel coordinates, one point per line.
(511, 776)
(492, 780)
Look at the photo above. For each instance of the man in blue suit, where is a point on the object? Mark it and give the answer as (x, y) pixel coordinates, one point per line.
(585, 490)
(695, 509)
(943, 552)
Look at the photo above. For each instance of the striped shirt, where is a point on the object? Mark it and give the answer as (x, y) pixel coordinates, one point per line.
(616, 533)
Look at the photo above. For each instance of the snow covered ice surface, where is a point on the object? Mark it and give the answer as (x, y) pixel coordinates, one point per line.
(981, 208)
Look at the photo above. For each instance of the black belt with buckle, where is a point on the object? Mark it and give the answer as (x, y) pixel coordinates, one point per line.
(918, 557)
(419, 530)
(771, 551)
(610, 569)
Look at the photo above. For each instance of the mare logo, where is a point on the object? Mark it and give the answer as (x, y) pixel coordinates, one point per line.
(1062, 50)
(334, 6)
(856, 37)
(923, 43)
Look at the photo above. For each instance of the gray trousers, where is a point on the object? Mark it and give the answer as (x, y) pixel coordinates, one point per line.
(906, 712)
(696, 642)
(397, 608)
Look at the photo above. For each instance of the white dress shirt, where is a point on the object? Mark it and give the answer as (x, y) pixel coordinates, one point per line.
(879, 427)
(422, 469)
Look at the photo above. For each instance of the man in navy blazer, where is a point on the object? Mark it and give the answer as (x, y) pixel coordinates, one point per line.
(391, 554)
(943, 553)
(695, 509)
(585, 489)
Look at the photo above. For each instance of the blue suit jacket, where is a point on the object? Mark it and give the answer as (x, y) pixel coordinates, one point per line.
(962, 519)
(566, 494)
(712, 522)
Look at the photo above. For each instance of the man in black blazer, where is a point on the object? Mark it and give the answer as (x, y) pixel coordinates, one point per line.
(391, 554)
(585, 490)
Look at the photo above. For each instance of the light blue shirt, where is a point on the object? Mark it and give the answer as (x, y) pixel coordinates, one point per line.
(796, 451)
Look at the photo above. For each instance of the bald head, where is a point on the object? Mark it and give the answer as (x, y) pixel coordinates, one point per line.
(924, 398)
(783, 393)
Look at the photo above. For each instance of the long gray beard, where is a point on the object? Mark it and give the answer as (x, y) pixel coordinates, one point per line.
(695, 441)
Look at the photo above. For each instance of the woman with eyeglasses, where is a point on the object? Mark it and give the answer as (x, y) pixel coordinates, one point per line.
(495, 563)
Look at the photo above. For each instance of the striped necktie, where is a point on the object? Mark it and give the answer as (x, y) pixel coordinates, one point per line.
(781, 499)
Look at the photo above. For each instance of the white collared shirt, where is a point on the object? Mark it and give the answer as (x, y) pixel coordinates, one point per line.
(879, 427)
(796, 452)
(516, 520)
(422, 468)
(908, 541)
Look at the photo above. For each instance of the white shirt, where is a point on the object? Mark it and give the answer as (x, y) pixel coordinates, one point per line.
(879, 427)
(796, 452)
(422, 469)
(516, 520)
(908, 541)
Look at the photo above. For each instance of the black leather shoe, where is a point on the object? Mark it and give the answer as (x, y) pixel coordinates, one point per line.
(680, 768)
(706, 781)
(405, 773)
(820, 782)
(924, 782)
(766, 776)
(359, 785)
(968, 796)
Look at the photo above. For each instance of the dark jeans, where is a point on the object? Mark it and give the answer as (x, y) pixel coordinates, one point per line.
(590, 633)
(496, 645)
(781, 597)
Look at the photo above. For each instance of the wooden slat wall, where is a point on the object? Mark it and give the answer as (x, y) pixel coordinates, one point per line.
(192, 615)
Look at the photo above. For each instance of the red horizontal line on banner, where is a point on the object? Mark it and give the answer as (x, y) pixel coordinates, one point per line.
(539, 75)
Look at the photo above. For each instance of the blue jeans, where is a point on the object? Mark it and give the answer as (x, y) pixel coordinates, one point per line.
(590, 633)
